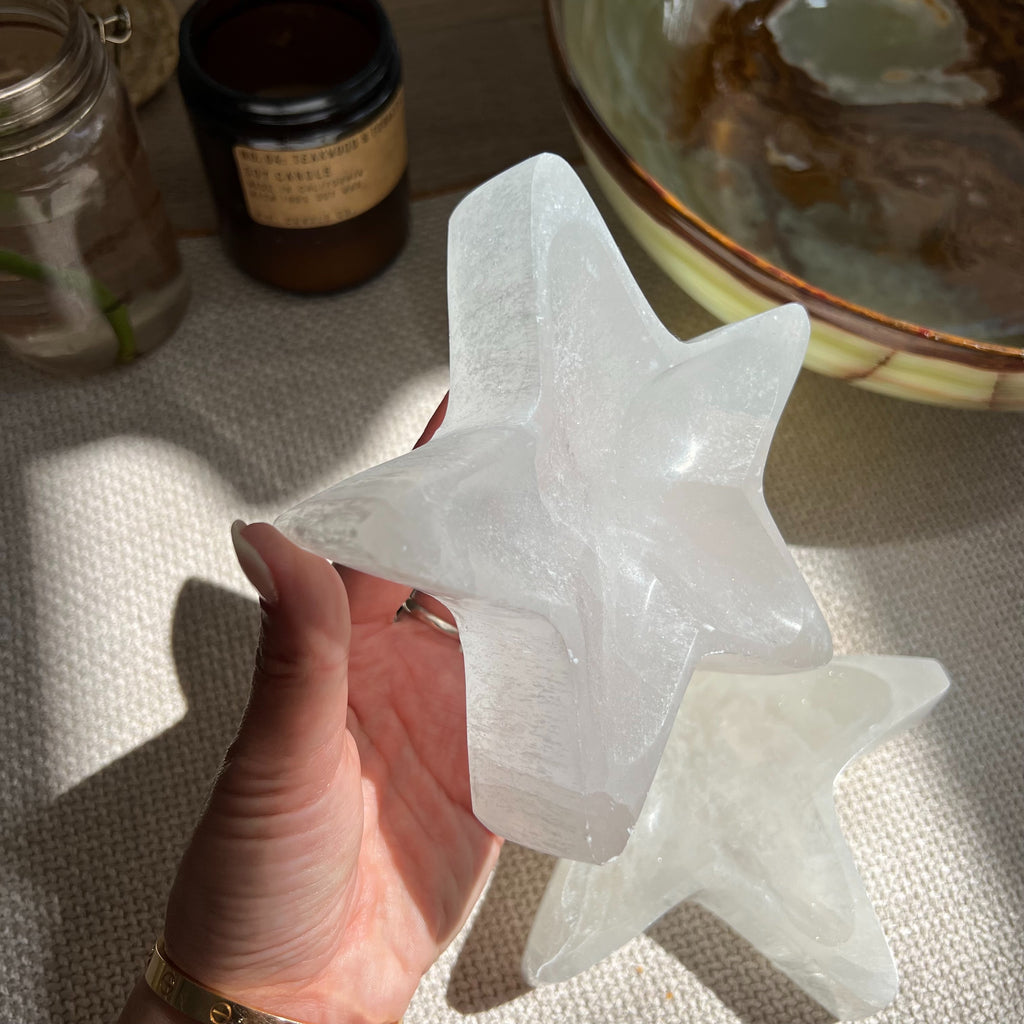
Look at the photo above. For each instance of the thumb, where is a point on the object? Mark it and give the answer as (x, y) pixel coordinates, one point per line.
(299, 699)
(273, 855)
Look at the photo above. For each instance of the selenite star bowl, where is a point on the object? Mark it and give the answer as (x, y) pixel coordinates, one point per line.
(862, 157)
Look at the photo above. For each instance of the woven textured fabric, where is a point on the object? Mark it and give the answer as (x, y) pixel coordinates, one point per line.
(127, 630)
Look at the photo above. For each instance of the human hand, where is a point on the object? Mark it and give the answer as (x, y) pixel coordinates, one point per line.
(338, 854)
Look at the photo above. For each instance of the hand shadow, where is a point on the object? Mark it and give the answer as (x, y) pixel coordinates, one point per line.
(116, 838)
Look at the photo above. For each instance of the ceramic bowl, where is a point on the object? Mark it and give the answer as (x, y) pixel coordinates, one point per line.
(864, 159)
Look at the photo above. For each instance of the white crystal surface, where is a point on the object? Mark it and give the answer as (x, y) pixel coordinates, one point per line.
(590, 510)
(741, 819)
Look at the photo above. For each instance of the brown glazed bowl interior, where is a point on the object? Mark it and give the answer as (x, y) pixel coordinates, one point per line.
(863, 159)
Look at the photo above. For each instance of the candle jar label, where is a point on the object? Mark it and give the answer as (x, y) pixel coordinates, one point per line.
(313, 188)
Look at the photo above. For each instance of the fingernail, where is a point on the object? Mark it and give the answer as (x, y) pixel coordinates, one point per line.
(255, 569)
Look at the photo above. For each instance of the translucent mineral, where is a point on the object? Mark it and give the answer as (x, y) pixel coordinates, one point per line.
(875, 52)
(591, 511)
(741, 819)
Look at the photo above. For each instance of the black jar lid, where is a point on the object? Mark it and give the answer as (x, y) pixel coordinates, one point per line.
(366, 84)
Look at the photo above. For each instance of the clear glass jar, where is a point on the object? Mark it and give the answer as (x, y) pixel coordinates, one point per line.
(90, 274)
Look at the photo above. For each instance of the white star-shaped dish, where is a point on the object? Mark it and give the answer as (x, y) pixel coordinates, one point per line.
(590, 510)
(741, 819)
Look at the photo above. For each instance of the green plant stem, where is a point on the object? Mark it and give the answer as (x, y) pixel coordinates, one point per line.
(112, 308)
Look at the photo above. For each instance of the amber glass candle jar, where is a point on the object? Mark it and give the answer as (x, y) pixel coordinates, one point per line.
(298, 111)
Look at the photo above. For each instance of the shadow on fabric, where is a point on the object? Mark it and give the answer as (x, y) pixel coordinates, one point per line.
(731, 968)
(487, 972)
(853, 469)
(80, 854)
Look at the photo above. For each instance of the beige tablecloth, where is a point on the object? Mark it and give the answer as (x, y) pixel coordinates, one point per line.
(126, 633)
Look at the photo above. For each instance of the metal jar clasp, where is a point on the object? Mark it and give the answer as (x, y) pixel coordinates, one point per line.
(114, 28)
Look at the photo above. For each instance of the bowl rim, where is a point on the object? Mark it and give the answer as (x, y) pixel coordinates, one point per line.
(756, 272)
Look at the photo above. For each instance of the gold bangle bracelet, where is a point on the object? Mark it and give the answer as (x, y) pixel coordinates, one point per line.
(187, 996)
